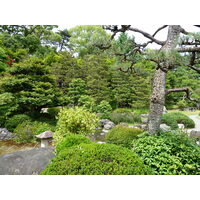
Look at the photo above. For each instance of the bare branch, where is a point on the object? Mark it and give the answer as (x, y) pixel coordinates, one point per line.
(147, 35)
(186, 90)
(159, 29)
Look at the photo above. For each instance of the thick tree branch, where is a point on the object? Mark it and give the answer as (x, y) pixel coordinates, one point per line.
(186, 90)
(188, 49)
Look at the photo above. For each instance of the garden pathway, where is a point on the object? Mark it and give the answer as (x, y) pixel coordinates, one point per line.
(196, 121)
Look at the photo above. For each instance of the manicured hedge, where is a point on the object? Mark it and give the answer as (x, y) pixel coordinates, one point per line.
(175, 118)
(96, 159)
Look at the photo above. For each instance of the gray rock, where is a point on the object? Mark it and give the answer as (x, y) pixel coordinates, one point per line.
(104, 121)
(103, 133)
(165, 128)
(144, 115)
(181, 126)
(25, 162)
(194, 133)
(107, 124)
(105, 130)
(164, 110)
(5, 134)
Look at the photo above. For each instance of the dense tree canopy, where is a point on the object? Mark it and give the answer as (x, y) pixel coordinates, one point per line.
(40, 66)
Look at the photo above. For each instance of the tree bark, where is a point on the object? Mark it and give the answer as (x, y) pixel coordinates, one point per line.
(157, 100)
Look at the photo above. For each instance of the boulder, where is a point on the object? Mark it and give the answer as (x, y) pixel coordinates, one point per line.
(165, 128)
(5, 134)
(194, 133)
(26, 162)
(107, 124)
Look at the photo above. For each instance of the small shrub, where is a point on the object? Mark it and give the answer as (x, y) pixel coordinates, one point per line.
(70, 141)
(181, 104)
(175, 118)
(122, 135)
(13, 122)
(104, 108)
(26, 131)
(96, 159)
(171, 153)
(127, 117)
(75, 121)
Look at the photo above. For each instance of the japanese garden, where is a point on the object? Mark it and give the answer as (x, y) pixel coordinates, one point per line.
(95, 100)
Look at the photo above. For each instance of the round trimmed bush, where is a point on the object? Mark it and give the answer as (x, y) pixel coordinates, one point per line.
(96, 159)
(75, 121)
(175, 118)
(13, 122)
(172, 153)
(122, 135)
(72, 140)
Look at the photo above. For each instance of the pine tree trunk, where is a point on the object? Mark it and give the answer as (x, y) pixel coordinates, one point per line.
(157, 100)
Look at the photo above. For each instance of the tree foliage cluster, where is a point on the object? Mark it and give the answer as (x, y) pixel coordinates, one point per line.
(41, 66)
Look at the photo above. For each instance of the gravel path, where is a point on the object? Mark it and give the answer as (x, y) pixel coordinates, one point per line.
(196, 121)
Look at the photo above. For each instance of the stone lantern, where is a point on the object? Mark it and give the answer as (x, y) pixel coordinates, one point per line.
(45, 137)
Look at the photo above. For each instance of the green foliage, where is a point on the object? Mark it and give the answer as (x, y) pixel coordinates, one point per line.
(169, 154)
(175, 118)
(13, 122)
(53, 112)
(27, 130)
(84, 38)
(8, 105)
(87, 102)
(72, 140)
(77, 88)
(127, 117)
(122, 135)
(182, 104)
(31, 85)
(104, 108)
(75, 121)
(96, 159)
(98, 76)
(131, 89)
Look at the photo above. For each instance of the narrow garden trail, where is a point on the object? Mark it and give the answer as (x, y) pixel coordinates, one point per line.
(196, 121)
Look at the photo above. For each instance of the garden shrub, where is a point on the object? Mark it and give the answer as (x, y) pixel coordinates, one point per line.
(127, 117)
(75, 121)
(172, 153)
(13, 122)
(175, 118)
(70, 141)
(27, 130)
(87, 102)
(122, 135)
(105, 109)
(96, 159)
